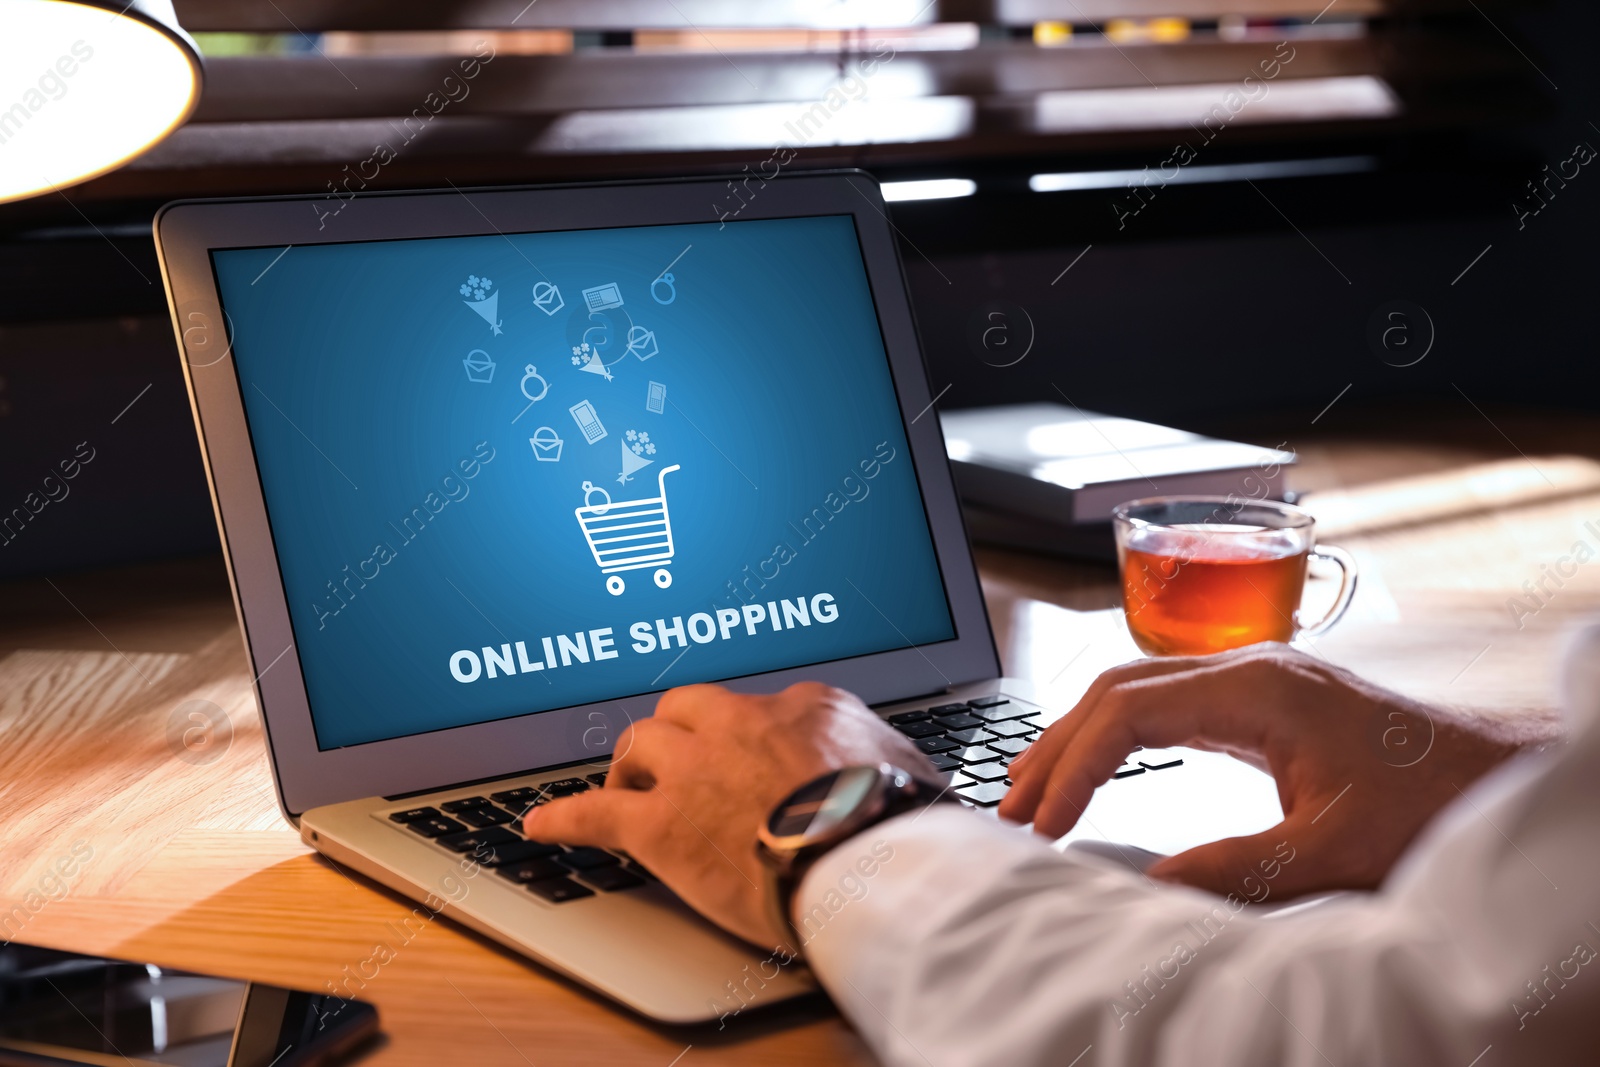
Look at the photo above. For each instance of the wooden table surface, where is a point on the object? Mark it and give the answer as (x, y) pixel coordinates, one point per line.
(193, 867)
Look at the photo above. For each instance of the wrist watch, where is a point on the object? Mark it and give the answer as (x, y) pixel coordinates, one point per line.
(825, 812)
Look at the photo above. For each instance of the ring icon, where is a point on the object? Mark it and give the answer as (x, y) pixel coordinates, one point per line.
(589, 490)
(534, 375)
(672, 290)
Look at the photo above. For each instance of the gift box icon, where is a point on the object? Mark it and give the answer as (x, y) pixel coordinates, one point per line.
(480, 368)
(546, 445)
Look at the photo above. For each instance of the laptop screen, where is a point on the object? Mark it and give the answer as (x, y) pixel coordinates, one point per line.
(508, 474)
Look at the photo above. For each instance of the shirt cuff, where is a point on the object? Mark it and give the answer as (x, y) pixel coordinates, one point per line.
(865, 909)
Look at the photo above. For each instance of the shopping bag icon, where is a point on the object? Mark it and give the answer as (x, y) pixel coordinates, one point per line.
(547, 298)
(480, 368)
(642, 343)
(546, 445)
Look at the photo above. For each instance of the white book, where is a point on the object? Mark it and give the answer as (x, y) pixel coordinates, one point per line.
(1073, 467)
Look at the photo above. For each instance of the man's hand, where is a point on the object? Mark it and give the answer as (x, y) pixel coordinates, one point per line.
(690, 786)
(1360, 770)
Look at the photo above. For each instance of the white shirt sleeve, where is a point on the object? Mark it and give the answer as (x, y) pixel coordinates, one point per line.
(949, 938)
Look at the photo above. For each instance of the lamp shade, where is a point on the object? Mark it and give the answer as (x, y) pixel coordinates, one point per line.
(85, 88)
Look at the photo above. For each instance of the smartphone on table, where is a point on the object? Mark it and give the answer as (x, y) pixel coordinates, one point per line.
(65, 1008)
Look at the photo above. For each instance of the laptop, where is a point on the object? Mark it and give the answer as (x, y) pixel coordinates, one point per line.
(495, 468)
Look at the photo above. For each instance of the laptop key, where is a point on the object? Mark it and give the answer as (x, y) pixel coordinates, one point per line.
(972, 754)
(1128, 772)
(473, 840)
(456, 807)
(520, 812)
(434, 826)
(934, 745)
(974, 736)
(1002, 712)
(538, 869)
(915, 730)
(587, 858)
(943, 763)
(516, 852)
(986, 795)
(560, 890)
(482, 817)
(946, 709)
(597, 779)
(611, 879)
(1010, 728)
(414, 815)
(565, 787)
(1011, 746)
(907, 716)
(988, 702)
(516, 799)
(959, 721)
(985, 772)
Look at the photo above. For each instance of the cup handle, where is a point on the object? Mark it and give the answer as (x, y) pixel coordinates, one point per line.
(1347, 591)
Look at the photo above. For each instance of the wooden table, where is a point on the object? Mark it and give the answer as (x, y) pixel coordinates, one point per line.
(193, 867)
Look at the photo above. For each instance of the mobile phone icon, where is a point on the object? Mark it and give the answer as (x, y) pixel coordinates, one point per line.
(583, 414)
(657, 400)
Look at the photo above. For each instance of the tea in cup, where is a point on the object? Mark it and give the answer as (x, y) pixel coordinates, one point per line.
(1206, 574)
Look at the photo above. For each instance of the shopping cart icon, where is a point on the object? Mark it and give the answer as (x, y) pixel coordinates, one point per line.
(628, 535)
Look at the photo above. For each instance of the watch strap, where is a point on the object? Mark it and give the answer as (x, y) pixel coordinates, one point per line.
(785, 871)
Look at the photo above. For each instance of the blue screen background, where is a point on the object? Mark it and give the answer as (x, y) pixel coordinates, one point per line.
(778, 403)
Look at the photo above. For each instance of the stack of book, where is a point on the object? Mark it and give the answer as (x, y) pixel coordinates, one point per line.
(1046, 478)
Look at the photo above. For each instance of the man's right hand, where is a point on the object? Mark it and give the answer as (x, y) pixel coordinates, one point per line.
(1360, 770)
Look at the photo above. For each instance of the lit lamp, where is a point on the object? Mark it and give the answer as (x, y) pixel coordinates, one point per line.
(87, 86)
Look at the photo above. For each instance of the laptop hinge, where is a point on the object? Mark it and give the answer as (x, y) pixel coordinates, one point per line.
(911, 699)
(598, 764)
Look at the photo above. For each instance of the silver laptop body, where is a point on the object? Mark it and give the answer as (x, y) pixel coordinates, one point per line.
(495, 468)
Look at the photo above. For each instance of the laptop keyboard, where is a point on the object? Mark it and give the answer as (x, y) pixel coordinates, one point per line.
(973, 744)
(489, 828)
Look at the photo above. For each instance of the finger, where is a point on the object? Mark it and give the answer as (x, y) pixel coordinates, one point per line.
(1153, 712)
(600, 817)
(1068, 724)
(1030, 773)
(819, 693)
(688, 705)
(1058, 733)
(1279, 863)
(647, 747)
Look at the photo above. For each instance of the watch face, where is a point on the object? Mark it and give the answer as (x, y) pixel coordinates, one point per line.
(816, 809)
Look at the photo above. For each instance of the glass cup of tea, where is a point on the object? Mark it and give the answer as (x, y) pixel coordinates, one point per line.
(1206, 574)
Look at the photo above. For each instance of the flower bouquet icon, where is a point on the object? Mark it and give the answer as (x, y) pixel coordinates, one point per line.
(635, 452)
(587, 359)
(482, 298)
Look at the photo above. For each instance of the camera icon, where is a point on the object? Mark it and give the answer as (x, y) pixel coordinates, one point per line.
(1000, 333)
(600, 733)
(1401, 333)
(1402, 738)
(199, 732)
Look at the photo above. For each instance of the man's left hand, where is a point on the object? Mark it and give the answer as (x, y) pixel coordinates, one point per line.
(689, 788)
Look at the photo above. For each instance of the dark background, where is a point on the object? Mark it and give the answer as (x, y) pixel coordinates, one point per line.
(1214, 309)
